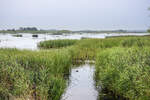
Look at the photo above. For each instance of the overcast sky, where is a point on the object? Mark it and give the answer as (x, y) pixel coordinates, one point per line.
(75, 14)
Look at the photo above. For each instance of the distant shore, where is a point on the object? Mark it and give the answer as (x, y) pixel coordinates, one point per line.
(60, 32)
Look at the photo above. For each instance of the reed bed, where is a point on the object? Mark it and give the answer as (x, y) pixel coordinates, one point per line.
(87, 49)
(122, 66)
(56, 43)
(38, 75)
(125, 72)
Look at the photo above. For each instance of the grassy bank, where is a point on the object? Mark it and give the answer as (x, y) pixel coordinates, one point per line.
(38, 75)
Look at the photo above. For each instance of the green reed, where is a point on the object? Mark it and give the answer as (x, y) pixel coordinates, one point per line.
(39, 75)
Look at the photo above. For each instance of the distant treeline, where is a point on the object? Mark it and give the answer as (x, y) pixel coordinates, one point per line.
(59, 32)
(23, 29)
(34, 30)
(149, 30)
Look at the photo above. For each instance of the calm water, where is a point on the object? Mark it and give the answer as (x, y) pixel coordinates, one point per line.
(28, 42)
(81, 86)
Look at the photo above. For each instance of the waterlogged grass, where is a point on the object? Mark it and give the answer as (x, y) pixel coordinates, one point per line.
(17, 35)
(56, 43)
(125, 72)
(38, 75)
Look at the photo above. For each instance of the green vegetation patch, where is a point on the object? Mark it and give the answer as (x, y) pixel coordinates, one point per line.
(125, 71)
(87, 49)
(35, 74)
(17, 35)
(56, 43)
(122, 66)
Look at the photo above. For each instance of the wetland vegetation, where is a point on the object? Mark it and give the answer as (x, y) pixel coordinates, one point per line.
(51, 64)
(34, 75)
(56, 43)
(122, 64)
(125, 72)
(122, 67)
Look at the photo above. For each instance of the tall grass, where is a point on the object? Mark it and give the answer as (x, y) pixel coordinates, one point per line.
(39, 75)
(125, 71)
(56, 43)
(87, 49)
(122, 66)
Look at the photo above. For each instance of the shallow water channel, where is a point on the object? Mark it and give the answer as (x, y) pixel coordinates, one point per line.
(81, 84)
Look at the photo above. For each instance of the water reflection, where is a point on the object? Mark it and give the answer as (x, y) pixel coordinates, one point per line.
(82, 85)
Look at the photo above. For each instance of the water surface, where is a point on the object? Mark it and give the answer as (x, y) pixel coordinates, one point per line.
(82, 84)
(29, 42)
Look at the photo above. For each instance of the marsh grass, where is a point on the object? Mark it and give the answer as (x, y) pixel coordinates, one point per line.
(40, 74)
(87, 49)
(17, 35)
(56, 43)
(125, 71)
(122, 66)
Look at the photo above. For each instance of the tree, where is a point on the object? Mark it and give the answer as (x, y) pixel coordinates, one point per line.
(28, 29)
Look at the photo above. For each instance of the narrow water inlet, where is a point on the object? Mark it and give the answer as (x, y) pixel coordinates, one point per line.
(82, 84)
